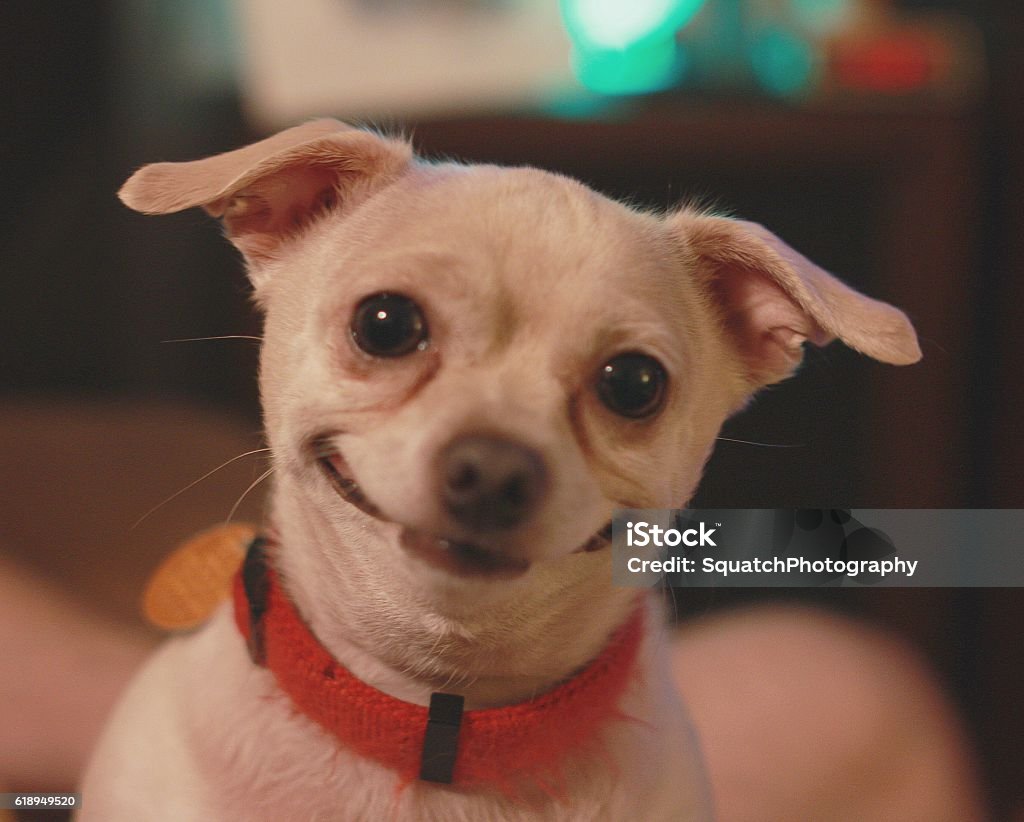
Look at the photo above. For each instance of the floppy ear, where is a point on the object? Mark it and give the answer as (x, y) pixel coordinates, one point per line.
(773, 299)
(268, 191)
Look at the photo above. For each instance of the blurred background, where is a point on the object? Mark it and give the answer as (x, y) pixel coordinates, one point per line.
(885, 140)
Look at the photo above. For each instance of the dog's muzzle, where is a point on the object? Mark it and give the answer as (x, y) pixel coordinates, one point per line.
(487, 485)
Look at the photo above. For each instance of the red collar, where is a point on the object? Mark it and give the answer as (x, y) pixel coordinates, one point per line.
(496, 747)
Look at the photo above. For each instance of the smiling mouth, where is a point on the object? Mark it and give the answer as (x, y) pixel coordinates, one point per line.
(456, 556)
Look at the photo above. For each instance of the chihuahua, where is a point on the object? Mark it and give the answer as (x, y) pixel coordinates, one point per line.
(465, 370)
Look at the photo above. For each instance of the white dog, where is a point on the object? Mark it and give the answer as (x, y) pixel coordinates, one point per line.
(465, 370)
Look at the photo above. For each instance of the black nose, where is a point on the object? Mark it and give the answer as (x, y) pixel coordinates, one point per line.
(489, 483)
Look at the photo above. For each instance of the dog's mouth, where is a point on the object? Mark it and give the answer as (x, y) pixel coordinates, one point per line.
(456, 556)
(336, 470)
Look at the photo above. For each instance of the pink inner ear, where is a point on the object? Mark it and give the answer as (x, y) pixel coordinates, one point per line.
(259, 216)
(769, 327)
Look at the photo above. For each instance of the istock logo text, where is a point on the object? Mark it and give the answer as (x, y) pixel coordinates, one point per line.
(642, 534)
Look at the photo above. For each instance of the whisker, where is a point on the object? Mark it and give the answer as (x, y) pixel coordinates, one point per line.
(192, 484)
(222, 337)
(760, 444)
(246, 492)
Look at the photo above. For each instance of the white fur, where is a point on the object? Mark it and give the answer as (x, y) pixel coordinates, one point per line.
(530, 282)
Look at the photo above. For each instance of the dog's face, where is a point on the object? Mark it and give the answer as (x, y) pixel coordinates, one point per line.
(493, 358)
(466, 369)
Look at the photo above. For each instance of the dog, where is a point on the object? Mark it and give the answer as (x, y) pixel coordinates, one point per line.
(465, 369)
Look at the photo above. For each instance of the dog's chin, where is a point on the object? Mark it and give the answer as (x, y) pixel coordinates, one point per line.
(454, 556)
(462, 559)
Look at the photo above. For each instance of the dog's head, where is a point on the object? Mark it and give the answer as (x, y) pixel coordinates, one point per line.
(467, 368)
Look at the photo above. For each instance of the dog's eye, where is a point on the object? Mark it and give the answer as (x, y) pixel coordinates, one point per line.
(632, 385)
(389, 325)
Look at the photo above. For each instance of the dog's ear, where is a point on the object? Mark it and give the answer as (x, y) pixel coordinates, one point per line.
(267, 191)
(772, 299)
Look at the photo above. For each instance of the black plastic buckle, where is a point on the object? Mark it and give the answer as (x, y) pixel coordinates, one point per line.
(441, 741)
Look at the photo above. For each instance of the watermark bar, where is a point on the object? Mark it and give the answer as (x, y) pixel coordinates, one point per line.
(28, 801)
(809, 547)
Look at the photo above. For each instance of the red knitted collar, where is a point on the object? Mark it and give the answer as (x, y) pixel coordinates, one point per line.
(495, 747)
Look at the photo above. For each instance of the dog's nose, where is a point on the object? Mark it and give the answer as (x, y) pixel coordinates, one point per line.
(489, 483)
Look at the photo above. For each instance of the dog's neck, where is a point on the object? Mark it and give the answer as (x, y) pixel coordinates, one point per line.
(505, 748)
(495, 644)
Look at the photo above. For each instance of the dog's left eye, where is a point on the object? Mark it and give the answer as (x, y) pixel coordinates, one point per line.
(632, 385)
(389, 325)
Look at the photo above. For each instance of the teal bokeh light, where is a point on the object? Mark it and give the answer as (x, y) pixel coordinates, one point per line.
(627, 46)
(784, 63)
(599, 25)
(647, 67)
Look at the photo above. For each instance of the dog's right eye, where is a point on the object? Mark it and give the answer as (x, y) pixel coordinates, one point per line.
(389, 325)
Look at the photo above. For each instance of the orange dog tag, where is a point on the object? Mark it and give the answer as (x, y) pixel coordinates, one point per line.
(192, 581)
